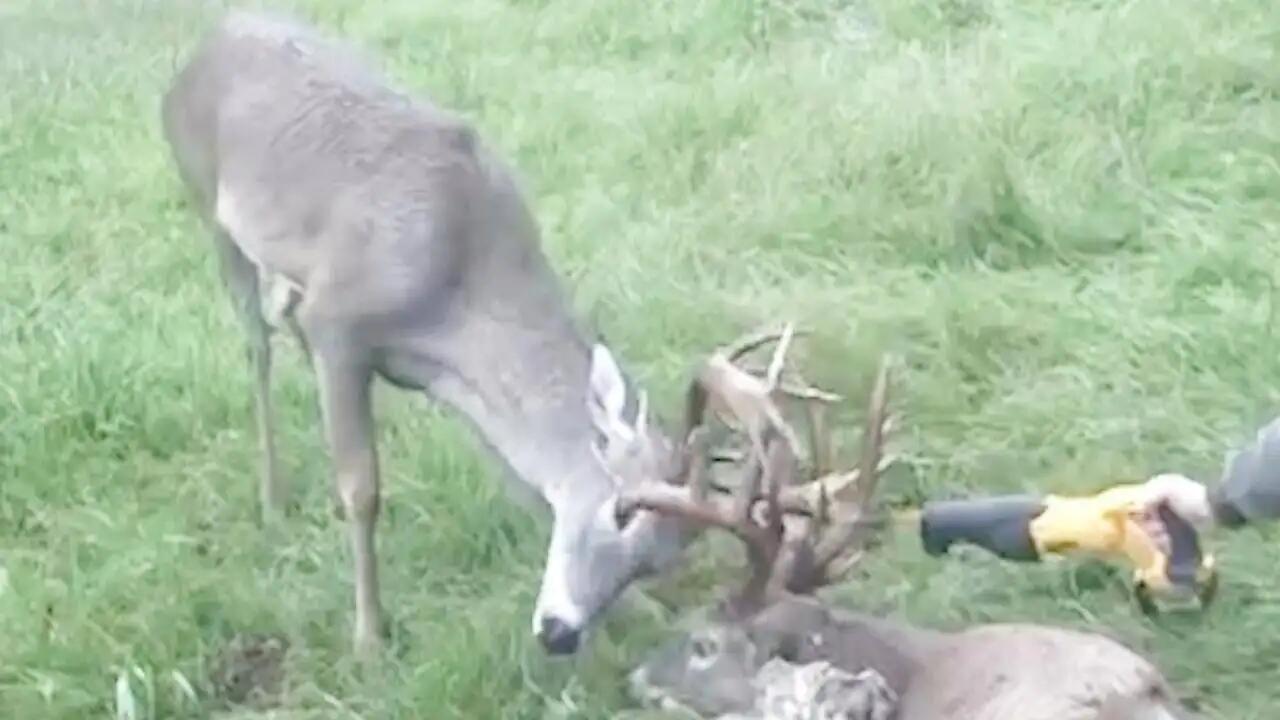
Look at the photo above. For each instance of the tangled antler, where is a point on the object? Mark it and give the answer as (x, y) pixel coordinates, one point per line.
(829, 509)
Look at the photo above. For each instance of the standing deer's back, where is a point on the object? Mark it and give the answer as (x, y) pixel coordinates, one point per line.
(323, 174)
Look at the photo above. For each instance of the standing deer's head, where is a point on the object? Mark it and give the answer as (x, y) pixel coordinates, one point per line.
(802, 529)
(593, 555)
(596, 550)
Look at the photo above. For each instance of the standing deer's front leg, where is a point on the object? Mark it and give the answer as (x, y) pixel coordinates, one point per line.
(345, 401)
(242, 280)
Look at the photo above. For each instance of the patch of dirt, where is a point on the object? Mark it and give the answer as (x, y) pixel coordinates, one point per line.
(250, 670)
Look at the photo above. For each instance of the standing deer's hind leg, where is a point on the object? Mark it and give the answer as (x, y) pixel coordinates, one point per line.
(242, 280)
(345, 402)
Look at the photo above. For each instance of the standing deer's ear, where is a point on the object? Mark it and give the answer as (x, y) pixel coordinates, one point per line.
(607, 397)
(642, 415)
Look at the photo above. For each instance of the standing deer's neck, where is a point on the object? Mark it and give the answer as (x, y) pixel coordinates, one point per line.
(516, 366)
(508, 354)
(524, 393)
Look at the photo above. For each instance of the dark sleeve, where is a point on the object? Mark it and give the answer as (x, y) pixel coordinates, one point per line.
(1249, 489)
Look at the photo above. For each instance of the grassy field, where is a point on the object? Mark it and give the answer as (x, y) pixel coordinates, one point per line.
(1062, 215)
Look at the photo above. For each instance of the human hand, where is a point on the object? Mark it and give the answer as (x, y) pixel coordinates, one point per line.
(1185, 497)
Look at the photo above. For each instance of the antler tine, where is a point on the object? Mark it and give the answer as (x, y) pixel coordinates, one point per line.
(766, 575)
(774, 373)
(798, 388)
(814, 400)
(697, 456)
(748, 488)
(744, 344)
(738, 397)
(695, 406)
(820, 447)
(762, 542)
(697, 394)
(782, 558)
(669, 501)
(835, 485)
(853, 531)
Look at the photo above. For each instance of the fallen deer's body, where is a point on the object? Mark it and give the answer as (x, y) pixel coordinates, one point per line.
(732, 664)
(989, 672)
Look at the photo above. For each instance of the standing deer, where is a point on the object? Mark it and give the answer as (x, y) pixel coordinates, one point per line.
(773, 651)
(393, 243)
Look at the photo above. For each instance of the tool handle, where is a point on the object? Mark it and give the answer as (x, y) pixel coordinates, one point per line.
(1000, 525)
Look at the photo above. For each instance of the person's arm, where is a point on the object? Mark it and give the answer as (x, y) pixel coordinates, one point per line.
(1249, 489)
(1247, 492)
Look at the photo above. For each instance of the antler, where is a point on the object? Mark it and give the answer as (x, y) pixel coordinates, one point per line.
(832, 537)
(851, 509)
(771, 473)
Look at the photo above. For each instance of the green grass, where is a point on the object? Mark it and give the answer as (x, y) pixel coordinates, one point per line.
(1063, 216)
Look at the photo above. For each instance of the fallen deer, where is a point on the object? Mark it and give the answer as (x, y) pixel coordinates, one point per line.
(393, 243)
(803, 530)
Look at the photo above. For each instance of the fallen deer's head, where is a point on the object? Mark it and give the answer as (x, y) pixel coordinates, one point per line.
(804, 525)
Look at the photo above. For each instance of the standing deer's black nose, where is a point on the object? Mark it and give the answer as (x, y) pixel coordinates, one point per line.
(557, 637)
